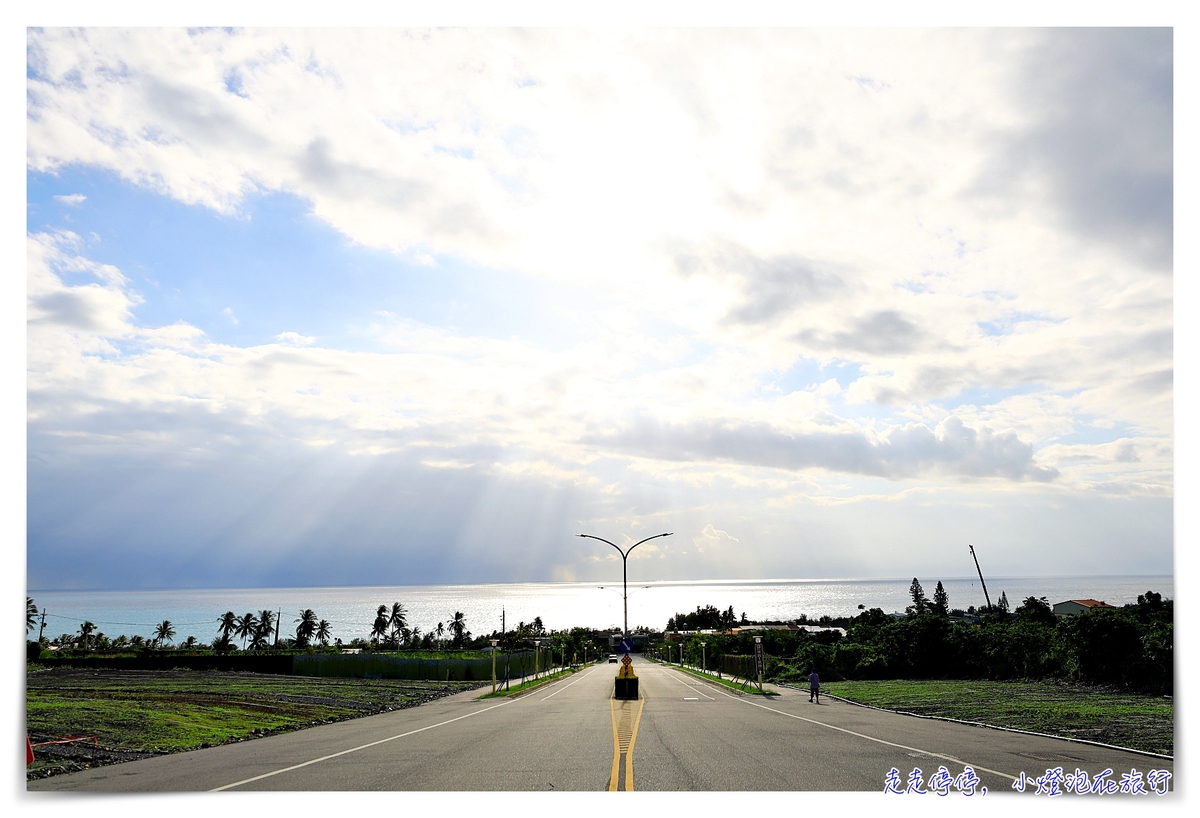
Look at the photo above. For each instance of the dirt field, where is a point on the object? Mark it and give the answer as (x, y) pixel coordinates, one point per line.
(137, 714)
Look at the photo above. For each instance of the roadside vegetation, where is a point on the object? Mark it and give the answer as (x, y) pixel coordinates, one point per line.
(1120, 718)
(136, 714)
(263, 633)
(524, 687)
(741, 686)
(1129, 648)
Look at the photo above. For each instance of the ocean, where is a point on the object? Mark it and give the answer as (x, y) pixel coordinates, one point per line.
(351, 611)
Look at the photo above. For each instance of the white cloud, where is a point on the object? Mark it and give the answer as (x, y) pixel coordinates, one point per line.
(295, 339)
(735, 209)
(71, 199)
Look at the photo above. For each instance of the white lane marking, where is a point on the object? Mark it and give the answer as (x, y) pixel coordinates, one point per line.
(691, 699)
(690, 687)
(564, 687)
(355, 749)
(869, 738)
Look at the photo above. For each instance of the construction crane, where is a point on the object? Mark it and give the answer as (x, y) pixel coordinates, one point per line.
(981, 582)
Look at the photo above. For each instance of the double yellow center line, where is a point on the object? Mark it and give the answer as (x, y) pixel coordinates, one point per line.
(626, 715)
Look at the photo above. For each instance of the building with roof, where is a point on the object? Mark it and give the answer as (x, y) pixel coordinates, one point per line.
(1078, 606)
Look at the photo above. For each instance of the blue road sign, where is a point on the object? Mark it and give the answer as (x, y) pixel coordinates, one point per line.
(626, 645)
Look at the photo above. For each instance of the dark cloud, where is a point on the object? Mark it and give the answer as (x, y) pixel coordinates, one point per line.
(772, 287)
(883, 333)
(909, 451)
(74, 308)
(197, 116)
(1155, 382)
(886, 332)
(1100, 102)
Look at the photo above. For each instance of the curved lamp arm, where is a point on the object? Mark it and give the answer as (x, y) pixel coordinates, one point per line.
(625, 554)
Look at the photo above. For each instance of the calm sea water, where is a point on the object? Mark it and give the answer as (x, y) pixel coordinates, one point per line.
(351, 611)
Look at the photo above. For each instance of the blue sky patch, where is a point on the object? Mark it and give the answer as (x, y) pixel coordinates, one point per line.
(272, 268)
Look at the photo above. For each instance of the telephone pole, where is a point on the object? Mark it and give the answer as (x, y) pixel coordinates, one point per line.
(981, 582)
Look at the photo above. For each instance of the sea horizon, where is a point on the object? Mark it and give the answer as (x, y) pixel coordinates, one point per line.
(560, 605)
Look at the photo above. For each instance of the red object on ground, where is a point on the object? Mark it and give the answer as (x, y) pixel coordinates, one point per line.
(28, 751)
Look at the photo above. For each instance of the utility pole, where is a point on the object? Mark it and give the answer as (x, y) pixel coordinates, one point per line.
(43, 628)
(278, 616)
(981, 582)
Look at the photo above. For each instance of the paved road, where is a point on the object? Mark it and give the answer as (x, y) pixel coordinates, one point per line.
(683, 734)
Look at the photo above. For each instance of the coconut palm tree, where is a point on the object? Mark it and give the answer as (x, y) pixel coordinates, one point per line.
(323, 631)
(189, 643)
(458, 630)
(86, 630)
(246, 626)
(398, 622)
(227, 624)
(31, 613)
(380, 628)
(265, 630)
(163, 632)
(441, 631)
(306, 627)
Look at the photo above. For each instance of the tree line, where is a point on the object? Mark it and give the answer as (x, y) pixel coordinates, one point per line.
(1130, 647)
(388, 631)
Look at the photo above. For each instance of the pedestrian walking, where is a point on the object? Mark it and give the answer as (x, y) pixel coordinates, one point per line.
(814, 686)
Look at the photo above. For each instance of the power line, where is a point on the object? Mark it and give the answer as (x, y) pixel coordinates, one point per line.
(132, 624)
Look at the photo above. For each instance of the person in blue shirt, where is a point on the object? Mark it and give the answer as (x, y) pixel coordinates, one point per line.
(814, 686)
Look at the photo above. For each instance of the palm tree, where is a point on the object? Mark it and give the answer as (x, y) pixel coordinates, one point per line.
(86, 630)
(379, 629)
(31, 613)
(163, 632)
(266, 628)
(227, 624)
(441, 631)
(306, 627)
(246, 626)
(458, 630)
(323, 632)
(398, 622)
(189, 643)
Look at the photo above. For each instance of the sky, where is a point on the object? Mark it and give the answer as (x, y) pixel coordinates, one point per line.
(419, 306)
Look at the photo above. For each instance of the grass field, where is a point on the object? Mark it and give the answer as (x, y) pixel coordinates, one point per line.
(134, 714)
(1110, 717)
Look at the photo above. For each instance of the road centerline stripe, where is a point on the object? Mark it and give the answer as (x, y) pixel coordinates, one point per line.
(355, 749)
(625, 729)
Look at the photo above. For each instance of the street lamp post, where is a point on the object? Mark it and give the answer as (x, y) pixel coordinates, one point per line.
(625, 570)
(494, 643)
(537, 654)
(703, 657)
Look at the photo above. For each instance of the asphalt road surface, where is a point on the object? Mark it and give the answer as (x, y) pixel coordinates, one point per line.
(682, 734)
